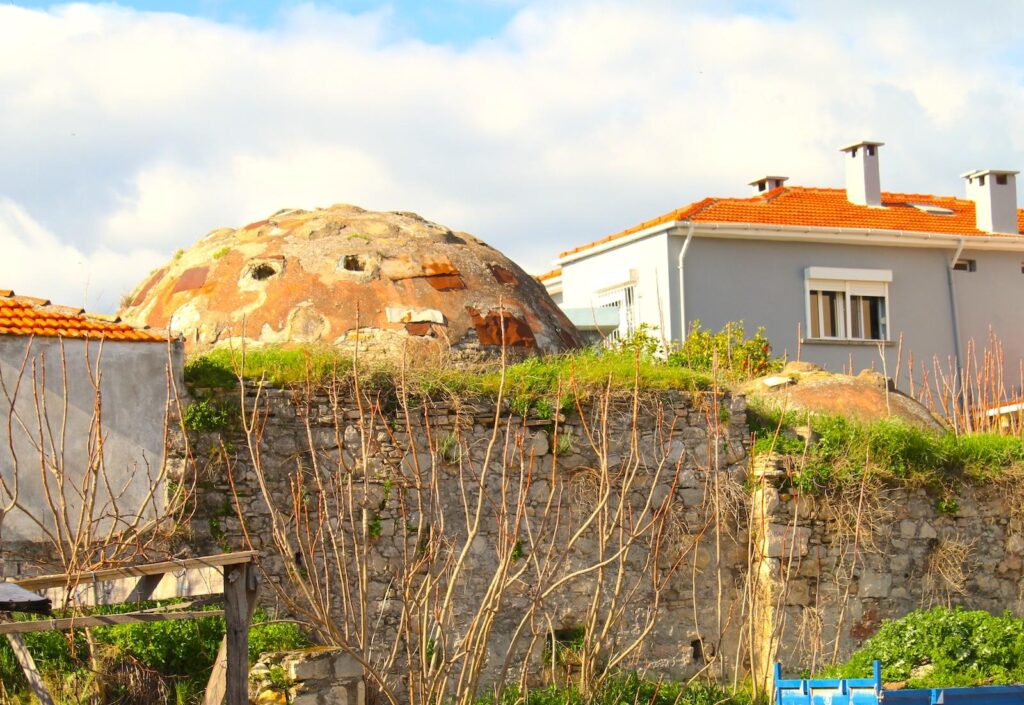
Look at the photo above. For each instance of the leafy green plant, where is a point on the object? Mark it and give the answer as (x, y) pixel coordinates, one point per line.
(947, 504)
(959, 648)
(736, 356)
(221, 252)
(207, 415)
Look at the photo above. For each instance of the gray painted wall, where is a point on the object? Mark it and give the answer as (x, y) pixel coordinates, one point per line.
(762, 284)
(134, 393)
(993, 297)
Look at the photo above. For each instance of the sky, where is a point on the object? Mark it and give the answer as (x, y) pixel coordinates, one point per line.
(129, 130)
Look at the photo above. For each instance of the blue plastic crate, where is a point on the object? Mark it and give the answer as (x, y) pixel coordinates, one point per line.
(868, 691)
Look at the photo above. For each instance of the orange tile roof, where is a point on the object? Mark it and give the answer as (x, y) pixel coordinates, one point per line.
(822, 208)
(556, 272)
(26, 315)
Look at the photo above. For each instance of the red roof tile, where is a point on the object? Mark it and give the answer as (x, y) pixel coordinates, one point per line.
(25, 315)
(823, 208)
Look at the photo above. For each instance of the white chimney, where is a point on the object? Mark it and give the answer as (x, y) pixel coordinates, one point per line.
(767, 183)
(863, 186)
(994, 193)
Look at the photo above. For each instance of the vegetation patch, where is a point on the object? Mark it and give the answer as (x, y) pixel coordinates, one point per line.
(838, 451)
(539, 386)
(627, 689)
(729, 353)
(943, 647)
(178, 655)
(206, 415)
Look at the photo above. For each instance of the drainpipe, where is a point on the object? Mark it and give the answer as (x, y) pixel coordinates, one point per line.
(952, 303)
(682, 289)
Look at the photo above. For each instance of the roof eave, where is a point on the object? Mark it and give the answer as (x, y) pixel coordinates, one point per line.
(861, 236)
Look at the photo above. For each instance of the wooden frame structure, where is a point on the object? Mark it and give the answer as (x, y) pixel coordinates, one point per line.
(231, 576)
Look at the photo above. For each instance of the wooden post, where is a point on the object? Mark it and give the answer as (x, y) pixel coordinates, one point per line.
(28, 666)
(230, 675)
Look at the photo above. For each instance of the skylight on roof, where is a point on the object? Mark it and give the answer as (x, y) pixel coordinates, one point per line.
(932, 209)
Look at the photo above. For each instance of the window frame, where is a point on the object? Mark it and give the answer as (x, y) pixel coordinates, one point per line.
(849, 282)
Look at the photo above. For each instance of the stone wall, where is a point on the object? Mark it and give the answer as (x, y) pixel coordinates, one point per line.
(687, 456)
(761, 573)
(317, 676)
(834, 581)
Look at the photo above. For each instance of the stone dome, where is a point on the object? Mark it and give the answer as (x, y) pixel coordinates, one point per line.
(394, 282)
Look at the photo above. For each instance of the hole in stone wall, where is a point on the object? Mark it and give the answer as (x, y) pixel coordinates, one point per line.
(262, 271)
(354, 263)
(698, 651)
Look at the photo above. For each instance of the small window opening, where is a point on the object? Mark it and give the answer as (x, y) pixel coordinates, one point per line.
(1001, 179)
(871, 151)
(853, 153)
(353, 263)
(1022, 267)
(966, 265)
(262, 271)
(981, 181)
(762, 186)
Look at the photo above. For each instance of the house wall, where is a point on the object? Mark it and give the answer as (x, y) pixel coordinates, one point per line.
(762, 284)
(989, 298)
(582, 279)
(134, 399)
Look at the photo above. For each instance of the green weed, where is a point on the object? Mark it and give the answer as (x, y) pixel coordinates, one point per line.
(961, 648)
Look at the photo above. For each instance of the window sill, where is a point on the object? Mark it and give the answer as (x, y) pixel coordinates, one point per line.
(848, 341)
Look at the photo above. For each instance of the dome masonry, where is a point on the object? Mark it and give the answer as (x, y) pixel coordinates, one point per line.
(393, 283)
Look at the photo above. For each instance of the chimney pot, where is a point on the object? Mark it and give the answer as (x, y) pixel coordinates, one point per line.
(767, 183)
(994, 192)
(863, 186)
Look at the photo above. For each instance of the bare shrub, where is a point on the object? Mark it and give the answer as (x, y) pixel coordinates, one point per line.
(947, 570)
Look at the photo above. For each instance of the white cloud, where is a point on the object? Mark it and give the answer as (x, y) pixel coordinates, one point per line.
(36, 263)
(126, 132)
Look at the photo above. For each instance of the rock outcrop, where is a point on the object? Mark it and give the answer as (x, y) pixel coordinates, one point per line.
(866, 397)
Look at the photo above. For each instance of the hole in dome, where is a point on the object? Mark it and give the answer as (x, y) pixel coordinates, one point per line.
(262, 271)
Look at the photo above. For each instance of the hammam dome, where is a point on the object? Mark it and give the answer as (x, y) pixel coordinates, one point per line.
(392, 282)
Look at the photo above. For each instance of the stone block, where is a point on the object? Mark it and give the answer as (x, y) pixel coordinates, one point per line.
(312, 664)
(908, 529)
(874, 584)
(927, 531)
(346, 667)
(1015, 544)
(783, 540)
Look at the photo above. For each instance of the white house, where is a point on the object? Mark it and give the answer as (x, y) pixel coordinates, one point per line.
(841, 274)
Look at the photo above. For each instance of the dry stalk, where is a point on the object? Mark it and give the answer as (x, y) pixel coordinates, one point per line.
(948, 569)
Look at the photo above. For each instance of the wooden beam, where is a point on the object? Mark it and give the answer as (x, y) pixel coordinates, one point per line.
(44, 582)
(144, 588)
(230, 674)
(65, 623)
(28, 667)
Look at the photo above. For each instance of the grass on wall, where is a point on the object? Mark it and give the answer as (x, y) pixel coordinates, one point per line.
(539, 385)
(841, 450)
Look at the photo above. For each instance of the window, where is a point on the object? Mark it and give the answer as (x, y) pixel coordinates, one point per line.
(966, 265)
(847, 304)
